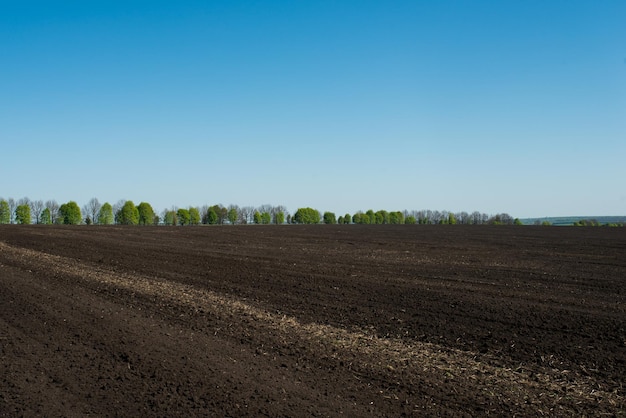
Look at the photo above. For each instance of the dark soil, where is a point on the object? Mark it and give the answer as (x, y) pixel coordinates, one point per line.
(312, 321)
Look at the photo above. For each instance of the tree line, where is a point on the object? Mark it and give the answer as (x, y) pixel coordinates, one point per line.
(125, 212)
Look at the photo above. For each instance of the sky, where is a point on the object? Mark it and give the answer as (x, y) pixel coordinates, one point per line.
(497, 106)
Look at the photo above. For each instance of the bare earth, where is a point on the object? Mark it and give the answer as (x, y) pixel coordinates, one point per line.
(317, 320)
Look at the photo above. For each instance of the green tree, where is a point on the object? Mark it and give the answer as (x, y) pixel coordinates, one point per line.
(279, 218)
(105, 214)
(451, 219)
(266, 218)
(232, 216)
(45, 218)
(382, 217)
(517, 221)
(212, 216)
(69, 213)
(170, 218)
(184, 217)
(307, 216)
(258, 219)
(410, 220)
(146, 214)
(22, 215)
(396, 218)
(5, 212)
(222, 214)
(128, 214)
(194, 216)
(330, 218)
(346, 218)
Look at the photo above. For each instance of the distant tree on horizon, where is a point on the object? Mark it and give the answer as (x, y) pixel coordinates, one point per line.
(307, 216)
(128, 214)
(105, 214)
(194, 216)
(5, 212)
(22, 214)
(146, 214)
(53, 209)
(92, 208)
(36, 207)
(70, 213)
(183, 216)
(46, 219)
(329, 218)
(170, 217)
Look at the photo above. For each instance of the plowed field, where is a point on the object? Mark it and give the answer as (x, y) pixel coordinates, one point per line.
(312, 321)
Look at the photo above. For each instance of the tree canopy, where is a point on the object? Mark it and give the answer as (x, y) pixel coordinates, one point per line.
(128, 214)
(307, 216)
(146, 214)
(5, 212)
(22, 214)
(330, 218)
(184, 217)
(105, 215)
(69, 213)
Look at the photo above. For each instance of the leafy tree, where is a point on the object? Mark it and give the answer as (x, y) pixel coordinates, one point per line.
(45, 219)
(69, 213)
(146, 214)
(279, 218)
(232, 216)
(266, 218)
(356, 218)
(410, 220)
(382, 217)
(194, 216)
(22, 214)
(396, 217)
(184, 217)
(128, 214)
(451, 219)
(5, 212)
(211, 216)
(330, 218)
(346, 218)
(216, 214)
(257, 217)
(170, 217)
(517, 221)
(340, 220)
(105, 214)
(307, 216)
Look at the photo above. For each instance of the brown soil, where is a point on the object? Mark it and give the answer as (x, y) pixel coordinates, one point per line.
(312, 321)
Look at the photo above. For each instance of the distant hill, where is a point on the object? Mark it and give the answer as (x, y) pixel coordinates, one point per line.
(569, 220)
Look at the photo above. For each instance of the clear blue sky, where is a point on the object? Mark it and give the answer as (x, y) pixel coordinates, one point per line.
(497, 106)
